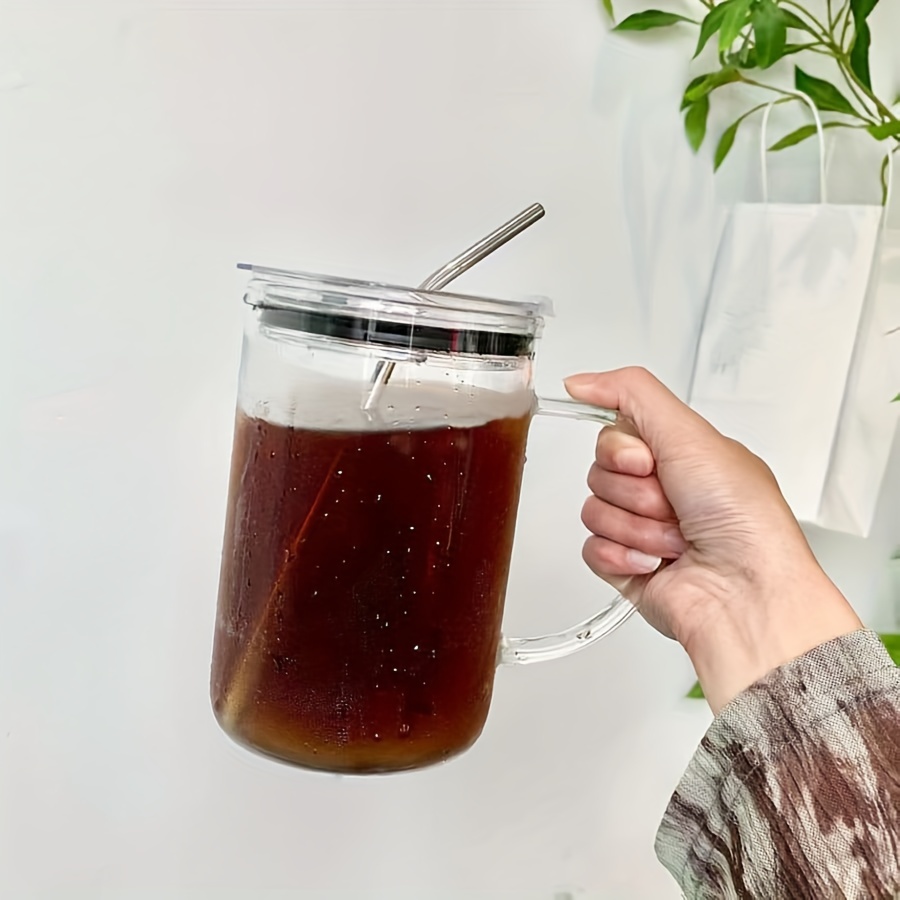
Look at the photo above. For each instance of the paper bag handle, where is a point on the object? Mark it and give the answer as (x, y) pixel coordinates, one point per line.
(764, 149)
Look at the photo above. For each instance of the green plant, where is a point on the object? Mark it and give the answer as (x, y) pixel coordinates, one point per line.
(752, 35)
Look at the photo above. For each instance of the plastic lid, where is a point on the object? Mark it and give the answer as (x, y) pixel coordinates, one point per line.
(394, 316)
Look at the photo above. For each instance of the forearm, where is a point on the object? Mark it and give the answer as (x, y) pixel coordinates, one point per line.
(795, 790)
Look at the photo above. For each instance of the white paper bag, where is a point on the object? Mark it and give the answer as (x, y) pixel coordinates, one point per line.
(868, 424)
(793, 360)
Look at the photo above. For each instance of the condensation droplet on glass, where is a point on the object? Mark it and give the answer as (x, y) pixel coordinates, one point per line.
(404, 729)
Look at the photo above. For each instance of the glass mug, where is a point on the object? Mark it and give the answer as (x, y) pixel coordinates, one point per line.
(370, 522)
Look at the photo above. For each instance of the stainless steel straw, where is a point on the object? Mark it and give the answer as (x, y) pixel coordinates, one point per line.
(446, 273)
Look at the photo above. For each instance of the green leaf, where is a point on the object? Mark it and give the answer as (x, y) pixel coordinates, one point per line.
(769, 31)
(892, 645)
(706, 84)
(695, 122)
(747, 59)
(650, 18)
(607, 5)
(885, 130)
(823, 93)
(792, 20)
(693, 83)
(896, 399)
(726, 142)
(735, 19)
(801, 134)
(896, 101)
(711, 24)
(696, 692)
(859, 52)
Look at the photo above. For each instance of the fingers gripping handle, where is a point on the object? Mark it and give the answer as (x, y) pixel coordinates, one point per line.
(524, 651)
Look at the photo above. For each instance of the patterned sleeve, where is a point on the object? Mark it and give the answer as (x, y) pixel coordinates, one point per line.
(794, 791)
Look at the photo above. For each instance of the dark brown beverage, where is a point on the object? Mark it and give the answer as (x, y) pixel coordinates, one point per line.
(362, 588)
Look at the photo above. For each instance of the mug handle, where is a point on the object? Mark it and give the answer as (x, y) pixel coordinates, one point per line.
(524, 651)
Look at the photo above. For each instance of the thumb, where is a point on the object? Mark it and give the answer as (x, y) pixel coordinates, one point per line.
(657, 413)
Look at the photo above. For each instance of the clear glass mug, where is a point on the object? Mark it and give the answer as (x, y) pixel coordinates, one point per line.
(370, 524)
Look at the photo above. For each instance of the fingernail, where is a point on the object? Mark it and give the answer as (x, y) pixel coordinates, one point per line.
(578, 380)
(674, 541)
(642, 563)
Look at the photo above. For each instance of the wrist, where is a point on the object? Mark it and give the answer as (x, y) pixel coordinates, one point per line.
(785, 622)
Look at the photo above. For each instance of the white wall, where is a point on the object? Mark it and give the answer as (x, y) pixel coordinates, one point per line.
(145, 148)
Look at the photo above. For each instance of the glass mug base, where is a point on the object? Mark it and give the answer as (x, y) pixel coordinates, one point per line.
(402, 751)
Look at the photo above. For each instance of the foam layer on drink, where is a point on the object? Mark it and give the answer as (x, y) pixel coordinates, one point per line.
(333, 405)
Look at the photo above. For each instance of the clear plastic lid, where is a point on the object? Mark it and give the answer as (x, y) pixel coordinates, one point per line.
(394, 316)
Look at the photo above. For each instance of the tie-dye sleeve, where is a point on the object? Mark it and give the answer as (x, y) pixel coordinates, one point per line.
(794, 791)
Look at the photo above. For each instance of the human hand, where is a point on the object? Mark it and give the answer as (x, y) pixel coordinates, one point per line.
(693, 529)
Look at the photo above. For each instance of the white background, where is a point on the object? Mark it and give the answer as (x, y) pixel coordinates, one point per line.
(145, 148)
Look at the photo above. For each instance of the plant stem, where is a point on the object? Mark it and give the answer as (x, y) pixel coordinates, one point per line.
(859, 98)
(847, 19)
(845, 9)
(767, 87)
(822, 29)
(843, 61)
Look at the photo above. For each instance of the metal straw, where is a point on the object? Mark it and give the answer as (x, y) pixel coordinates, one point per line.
(446, 273)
